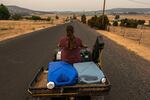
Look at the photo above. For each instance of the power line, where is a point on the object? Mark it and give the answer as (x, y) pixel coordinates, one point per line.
(140, 2)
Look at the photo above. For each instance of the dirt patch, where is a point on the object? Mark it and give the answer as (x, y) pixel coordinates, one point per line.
(141, 50)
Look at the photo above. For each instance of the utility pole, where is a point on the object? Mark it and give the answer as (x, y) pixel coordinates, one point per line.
(104, 5)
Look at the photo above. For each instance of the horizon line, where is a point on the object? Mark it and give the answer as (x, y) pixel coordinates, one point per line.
(78, 10)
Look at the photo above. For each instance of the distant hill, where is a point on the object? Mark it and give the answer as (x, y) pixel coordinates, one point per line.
(24, 11)
(129, 10)
(122, 11)
(111, 11)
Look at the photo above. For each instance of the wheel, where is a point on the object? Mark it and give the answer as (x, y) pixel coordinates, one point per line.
(59, 98)
(83, 98)
(97, 98)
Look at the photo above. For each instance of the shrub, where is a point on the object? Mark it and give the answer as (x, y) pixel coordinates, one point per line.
(28, 18)
(115, 23)
(4, 13)
(57, 17)
(133, 23)
(102, 22)
(92, 21)
(16, 17)
(117, 16)
(74, 16)
(67, 19)
(4, 29)
(99, 22)
(48, 19)
(141, 22)
(35, 18)
(83, 19)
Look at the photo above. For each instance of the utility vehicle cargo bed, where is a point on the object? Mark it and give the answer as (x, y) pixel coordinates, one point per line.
(38, 87)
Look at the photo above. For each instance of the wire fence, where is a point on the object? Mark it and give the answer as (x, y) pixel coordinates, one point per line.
(140, 35)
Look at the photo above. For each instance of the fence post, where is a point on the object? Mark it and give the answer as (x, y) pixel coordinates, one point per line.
(108, 28)
(140, 27)
(124, 32)
(141, 35)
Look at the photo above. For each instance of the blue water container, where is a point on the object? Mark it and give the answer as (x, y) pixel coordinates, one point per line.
(62, 74)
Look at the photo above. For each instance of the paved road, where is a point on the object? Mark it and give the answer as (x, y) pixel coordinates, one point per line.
(21, 57)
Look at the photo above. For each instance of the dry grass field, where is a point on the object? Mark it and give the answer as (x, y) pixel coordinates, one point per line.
(10, 29)
(140, 50)
(136, 40)
(141, 36)
(132, 33)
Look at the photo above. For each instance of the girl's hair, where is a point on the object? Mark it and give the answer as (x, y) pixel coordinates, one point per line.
(71, 38)
(70, 28)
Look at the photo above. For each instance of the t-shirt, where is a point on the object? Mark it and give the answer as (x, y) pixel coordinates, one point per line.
(70, 55)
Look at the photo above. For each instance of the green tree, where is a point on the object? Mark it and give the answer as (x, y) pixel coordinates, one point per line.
(100, 22)
(16, 17)
(83, 19)
(92, 21)
(48, 19)
(27, 18)
(4, 13)
(141, 22)
(36, 18)
(74, 16)
(115, 23)
(133, 23)
(117, 16)
(57, 17)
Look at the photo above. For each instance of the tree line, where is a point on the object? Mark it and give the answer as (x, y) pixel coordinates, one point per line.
(6, 15)
(101, 22)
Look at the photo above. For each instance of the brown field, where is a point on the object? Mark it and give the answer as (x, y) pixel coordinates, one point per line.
(132, 33)
(136, 40)
(10, 29)
(141, 36)
(140, 50)
(138, 35)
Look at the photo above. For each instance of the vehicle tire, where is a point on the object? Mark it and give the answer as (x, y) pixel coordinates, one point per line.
(83, 98)
(58, 98)
(97, 98)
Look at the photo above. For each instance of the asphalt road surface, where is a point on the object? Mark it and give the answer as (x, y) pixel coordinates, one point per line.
(20, 58)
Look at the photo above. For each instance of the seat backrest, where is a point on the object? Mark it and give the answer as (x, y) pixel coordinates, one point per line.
(98, 47)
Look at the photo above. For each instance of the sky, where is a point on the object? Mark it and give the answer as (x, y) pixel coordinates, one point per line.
(76, 5)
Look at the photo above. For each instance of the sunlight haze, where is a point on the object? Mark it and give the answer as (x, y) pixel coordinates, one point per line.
(76, 5)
